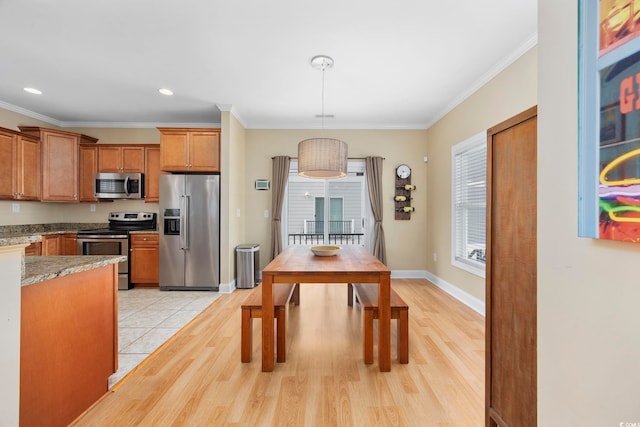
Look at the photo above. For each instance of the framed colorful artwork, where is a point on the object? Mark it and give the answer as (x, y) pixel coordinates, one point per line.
(609, 119)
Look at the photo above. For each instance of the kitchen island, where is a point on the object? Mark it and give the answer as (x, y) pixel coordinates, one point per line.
(68, 335)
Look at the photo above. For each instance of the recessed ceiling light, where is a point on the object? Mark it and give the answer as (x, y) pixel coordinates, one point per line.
(165, 92)
(33, 90)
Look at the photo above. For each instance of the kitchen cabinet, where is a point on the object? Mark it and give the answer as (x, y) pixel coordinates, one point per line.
(6, 159)
(59, 160)
(52, 245)
(88, 167)
(68, 244)
(189, 150)
(144, 259)
(19, 166)
(57, 244)
(152, 174)
(34, 249)
(120, 158)
(68, 345)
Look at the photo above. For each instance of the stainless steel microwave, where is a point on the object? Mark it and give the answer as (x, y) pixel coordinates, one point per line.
(118, 185)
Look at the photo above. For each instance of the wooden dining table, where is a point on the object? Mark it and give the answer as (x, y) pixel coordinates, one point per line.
(353, 264)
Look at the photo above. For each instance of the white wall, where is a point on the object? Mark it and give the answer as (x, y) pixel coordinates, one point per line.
(510, 92)
(233, 210)
(404, 239)
(10, 266)
(588, 290)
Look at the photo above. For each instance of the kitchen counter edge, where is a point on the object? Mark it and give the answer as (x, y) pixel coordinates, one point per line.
(41, 268)
(18, 240)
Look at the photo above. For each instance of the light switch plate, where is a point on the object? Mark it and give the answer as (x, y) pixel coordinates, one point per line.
(15, 207)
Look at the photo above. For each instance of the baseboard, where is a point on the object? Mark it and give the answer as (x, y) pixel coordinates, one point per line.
(408, 274)
(467, 299)
(227, 288)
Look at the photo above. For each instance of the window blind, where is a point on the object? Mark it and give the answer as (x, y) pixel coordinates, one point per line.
(469, 202)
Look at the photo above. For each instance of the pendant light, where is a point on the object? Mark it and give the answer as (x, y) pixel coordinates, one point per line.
(322, 158)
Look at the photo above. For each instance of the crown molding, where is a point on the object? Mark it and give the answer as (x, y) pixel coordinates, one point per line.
(229, 108)
(121, 125)
(31, 114)
(531, 42)
(351, 126)
(138, 125)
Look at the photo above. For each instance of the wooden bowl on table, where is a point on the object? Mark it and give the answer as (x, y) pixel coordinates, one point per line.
(328, 250)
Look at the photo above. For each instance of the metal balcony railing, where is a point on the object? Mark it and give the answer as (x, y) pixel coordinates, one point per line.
(318, 239)
(340, 233)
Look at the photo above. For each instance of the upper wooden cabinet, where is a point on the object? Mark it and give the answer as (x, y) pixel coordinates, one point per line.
(189, 150)
(152, 174)
(88, 168)
(59, 157)
(19, 166)
(120, 158)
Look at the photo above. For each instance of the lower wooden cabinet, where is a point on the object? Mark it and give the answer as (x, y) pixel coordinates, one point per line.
(68, 245)
(144, 253)
(34, 249)
(51, 245)
(56, 244)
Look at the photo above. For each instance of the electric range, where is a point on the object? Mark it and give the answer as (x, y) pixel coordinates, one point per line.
(114, 240)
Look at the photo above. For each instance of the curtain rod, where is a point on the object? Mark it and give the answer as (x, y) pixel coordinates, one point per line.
(348, 158)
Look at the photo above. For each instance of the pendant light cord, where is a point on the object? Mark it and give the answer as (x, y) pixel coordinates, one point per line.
(323, 68)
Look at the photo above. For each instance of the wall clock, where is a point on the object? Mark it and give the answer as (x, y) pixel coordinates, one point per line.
(402, 196)
(403, 171)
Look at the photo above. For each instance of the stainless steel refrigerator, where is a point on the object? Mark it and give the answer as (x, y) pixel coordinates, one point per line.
(189, 232)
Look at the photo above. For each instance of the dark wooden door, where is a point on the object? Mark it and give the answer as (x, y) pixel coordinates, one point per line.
(511, 351)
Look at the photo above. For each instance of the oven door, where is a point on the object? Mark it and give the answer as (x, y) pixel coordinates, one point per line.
(106, 245)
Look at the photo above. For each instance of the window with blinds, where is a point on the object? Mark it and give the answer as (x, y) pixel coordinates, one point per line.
(469, 188)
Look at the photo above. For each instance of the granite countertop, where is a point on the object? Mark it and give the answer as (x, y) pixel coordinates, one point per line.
(41, 268)
(143, 232)
(17, 240)
(16, 234)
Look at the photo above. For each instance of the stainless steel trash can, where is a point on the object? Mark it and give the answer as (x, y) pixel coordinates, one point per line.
(247, 265)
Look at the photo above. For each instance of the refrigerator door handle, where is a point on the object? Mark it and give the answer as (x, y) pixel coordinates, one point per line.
(183, 228)
(187, 215)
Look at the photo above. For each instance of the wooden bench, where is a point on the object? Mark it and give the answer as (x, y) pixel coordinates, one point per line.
(367, 295)
(283, 293)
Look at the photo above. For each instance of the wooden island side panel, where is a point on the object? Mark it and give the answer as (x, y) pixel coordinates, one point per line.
(68, 345)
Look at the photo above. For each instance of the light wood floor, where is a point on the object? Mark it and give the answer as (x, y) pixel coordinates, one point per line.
(197, 379)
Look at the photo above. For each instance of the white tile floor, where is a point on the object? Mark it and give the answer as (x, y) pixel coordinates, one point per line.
(149, 317)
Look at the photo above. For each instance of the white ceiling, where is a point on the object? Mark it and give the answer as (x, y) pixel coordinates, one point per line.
(398, 64)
